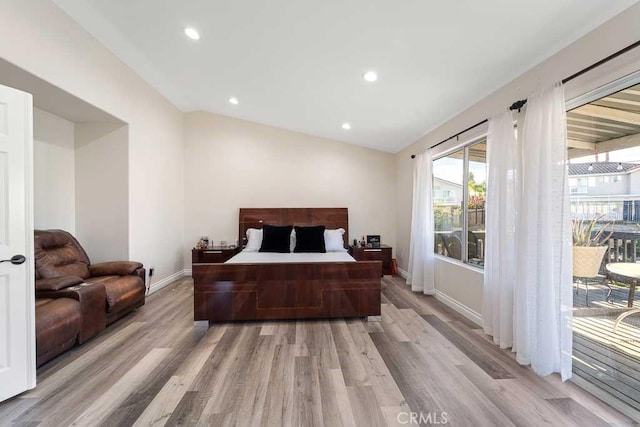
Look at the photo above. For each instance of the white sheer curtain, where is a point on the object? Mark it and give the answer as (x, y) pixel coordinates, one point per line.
(500, 255)
(543, 297)
(420, 274)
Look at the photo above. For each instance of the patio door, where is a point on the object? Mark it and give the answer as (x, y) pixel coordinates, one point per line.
(17, 301)
(603, 130)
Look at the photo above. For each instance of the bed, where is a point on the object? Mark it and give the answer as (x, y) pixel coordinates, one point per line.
(261, 286)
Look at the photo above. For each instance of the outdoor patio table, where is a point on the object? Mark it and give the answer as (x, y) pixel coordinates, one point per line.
(632, 271)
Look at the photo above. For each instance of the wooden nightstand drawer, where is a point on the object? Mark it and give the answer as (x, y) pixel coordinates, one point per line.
(383, 253)
(212, 255)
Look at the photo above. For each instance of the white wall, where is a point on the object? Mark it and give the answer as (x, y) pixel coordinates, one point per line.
(102, 190)
(615, 34)
(54, 171)
(55, 48)
(231, 163)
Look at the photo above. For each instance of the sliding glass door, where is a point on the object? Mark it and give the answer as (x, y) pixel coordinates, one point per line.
(604, 180)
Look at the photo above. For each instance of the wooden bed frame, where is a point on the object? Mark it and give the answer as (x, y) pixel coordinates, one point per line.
(225, 292)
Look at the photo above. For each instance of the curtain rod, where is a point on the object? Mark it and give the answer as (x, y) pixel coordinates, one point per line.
(519, 104)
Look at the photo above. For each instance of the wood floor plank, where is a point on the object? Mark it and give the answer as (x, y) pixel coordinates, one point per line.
(392, 325)
(318, 341)
(514, 400)
(334, 396)
(155, 367)
(382, 382)
(479, 358)
(580, 415)
(365, 406)
(425, 335)
(595, 405)
(134, 405)
(106, 344)
(506, 359)
(251, 401)
(308, 411)
(227, 372)
(189, 409)
(350, 360)
(396, 416)
(159, 410)
(279, 403)
(432, 385)
(107, 402)
(13, 407)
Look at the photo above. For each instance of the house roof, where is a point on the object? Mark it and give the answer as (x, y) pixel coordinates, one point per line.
(601, 168)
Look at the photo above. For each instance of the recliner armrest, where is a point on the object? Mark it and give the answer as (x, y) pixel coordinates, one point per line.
(92, 298)
(57, 283)
(117, 268)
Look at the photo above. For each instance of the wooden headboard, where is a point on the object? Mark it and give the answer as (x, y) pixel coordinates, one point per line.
(329, 217)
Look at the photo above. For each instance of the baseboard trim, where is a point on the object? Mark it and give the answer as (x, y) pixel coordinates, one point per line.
(402, 273)
(164, 282)
(470, 314)
(187, 272)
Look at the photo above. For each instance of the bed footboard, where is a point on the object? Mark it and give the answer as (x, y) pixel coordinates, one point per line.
(224, 292)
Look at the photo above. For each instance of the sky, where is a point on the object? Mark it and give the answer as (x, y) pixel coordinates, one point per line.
(450, 169)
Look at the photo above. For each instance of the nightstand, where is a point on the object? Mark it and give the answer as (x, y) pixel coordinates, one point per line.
(213, 255)
(383, 253)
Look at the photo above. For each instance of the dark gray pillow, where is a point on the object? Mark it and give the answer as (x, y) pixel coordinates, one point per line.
(310, 239)
(275, 238)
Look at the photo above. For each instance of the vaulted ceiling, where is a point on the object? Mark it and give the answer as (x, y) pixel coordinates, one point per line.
(298, 65)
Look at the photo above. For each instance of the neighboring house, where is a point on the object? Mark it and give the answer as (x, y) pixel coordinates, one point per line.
(605, 188)
(446, 192)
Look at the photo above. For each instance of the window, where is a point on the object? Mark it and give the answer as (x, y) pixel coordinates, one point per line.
(448, 174)
(459, 203)
(578, 186)
(477, 191)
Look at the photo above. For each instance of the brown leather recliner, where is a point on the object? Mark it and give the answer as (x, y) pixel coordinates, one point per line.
(62, 266)
(58, 324)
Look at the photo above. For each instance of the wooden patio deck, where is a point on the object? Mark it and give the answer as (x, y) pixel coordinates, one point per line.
(608, 360)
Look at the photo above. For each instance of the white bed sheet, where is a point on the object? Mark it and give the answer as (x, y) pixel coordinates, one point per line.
(270, 257)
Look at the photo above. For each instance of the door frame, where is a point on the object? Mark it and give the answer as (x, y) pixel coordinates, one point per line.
(30, 253)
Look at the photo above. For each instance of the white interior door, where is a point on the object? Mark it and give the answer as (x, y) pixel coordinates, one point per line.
(17, 295)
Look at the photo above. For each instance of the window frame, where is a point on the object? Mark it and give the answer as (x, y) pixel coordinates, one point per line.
(464, 146)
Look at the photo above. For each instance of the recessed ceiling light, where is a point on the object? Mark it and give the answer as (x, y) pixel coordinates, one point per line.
(192, 33)
(233, 100)
(346, 126)
(370, 76)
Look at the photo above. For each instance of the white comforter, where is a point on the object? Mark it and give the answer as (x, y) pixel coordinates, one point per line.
(269, 257)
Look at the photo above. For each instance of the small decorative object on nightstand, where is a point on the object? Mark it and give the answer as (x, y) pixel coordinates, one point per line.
(382, 253)
(212, 255)
(373, 240)
(202, 243)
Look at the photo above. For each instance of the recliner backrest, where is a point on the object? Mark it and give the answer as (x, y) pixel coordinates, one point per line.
(59, 254)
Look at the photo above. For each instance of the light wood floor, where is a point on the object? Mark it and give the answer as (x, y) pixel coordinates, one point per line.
(156, 367)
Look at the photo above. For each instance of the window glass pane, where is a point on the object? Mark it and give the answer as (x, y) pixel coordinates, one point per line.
(477, 191)
(604, 151)
(448, 194)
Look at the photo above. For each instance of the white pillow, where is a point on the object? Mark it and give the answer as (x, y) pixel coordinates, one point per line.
(333, 241)
(254, 240)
